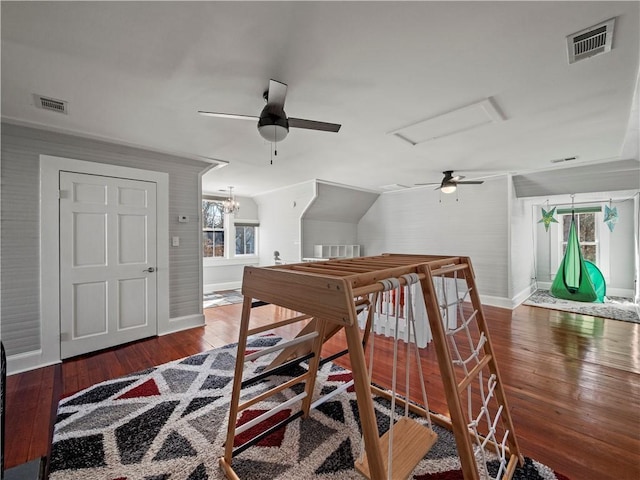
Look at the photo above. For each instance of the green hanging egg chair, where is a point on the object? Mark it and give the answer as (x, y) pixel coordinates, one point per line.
(577, 279)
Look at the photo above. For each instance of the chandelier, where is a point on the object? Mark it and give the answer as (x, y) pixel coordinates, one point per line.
(230, 205)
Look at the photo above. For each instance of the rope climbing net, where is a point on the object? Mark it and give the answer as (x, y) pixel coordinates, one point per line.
(476, 377)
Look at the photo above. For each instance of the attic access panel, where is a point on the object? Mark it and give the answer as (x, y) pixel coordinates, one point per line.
(450, 123)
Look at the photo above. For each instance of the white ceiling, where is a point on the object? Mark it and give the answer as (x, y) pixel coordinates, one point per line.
(137, 72)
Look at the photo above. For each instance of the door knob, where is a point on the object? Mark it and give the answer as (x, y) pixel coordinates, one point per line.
(150, 270)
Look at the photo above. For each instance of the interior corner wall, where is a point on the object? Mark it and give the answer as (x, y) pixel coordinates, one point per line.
(522, 269)
(280, 222)
(476, 225)
(20, 220)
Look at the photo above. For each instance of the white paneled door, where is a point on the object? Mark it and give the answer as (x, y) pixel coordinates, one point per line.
(107, 262)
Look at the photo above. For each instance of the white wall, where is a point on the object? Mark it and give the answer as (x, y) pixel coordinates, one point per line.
(414, 221)
(280, 221)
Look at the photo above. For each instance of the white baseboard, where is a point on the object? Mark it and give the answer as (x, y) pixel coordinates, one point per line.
(178, 324)
(523, 295)
(620, 292)
(218, 287)
(23, 362)
(501, 302)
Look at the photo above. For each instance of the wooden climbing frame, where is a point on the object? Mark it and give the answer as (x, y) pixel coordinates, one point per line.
(328, 296)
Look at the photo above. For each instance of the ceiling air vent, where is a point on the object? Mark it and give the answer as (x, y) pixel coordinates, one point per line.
(591, 41)
(52, 104)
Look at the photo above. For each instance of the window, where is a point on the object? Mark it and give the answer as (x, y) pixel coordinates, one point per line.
(587, 234)
(212, 229)
(220, 231)
(245, 239)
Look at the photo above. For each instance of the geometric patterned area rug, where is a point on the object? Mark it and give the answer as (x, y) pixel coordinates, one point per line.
(169, 423)
(616, 308)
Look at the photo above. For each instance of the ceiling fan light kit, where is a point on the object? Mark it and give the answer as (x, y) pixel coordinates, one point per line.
(449, 183)
(273, 123)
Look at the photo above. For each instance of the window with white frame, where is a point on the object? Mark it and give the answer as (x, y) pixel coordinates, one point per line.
(245, 239)
(220, 231)
(213, 231)
(587, 234)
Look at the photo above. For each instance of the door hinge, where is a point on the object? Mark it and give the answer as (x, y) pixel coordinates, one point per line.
(63, 194)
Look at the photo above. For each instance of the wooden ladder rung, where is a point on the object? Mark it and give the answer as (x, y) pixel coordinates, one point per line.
(281, 323)
(273, 391)
(449, 269)
(411, 442)
(473, 373)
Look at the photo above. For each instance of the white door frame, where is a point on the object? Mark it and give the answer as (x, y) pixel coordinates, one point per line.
(50, 168)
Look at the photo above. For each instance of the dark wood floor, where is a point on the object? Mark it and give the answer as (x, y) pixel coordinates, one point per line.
(572, 382)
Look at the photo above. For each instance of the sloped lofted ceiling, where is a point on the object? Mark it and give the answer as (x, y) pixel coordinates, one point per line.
(338, 203)
(137, 72)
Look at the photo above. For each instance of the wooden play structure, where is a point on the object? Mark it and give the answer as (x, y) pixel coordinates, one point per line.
(332, 295)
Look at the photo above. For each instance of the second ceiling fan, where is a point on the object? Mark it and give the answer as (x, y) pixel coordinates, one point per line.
(450, 182)
(273, 123)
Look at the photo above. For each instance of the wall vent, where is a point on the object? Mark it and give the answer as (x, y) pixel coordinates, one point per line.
(591, 41)
(47, 103)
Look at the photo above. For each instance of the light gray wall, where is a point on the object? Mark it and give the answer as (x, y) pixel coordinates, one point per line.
(317, 232)
(224, 277)
(248, 209)
(20, 221)
(476, 225)
(621, 242)
(280, 221)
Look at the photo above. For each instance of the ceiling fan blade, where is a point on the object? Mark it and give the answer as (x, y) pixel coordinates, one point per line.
(426, 184)
(276, 93)
(470, 182)
(313, 125)
(228, 115)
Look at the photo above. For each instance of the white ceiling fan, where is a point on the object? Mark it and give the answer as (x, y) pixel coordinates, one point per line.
(273, 123)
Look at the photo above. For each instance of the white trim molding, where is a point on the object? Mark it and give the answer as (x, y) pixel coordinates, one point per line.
(178, 324)
(50, 168)
(218, 287)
